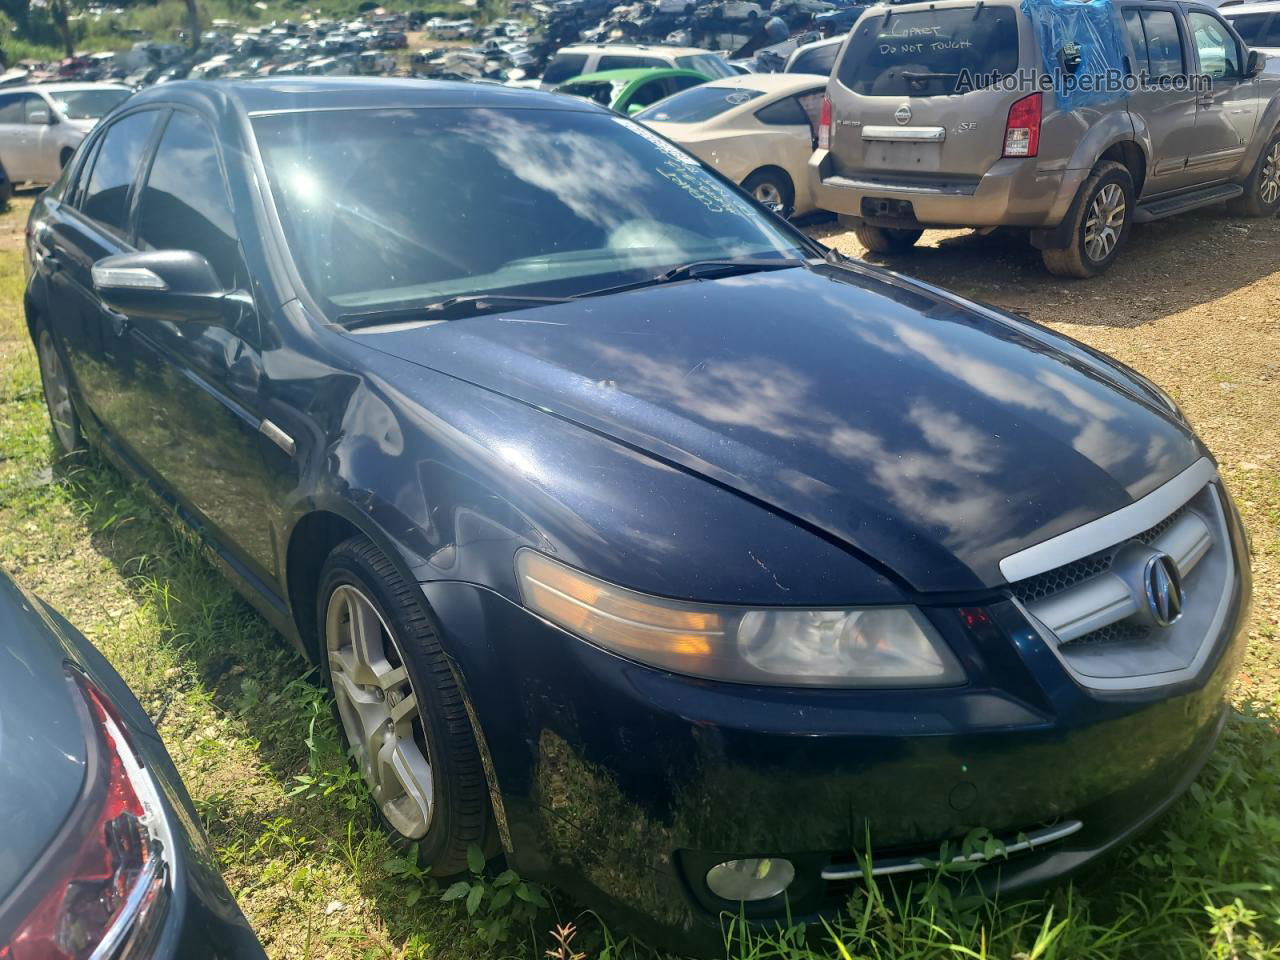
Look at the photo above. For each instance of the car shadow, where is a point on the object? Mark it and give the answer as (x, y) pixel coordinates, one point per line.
(1165, 267)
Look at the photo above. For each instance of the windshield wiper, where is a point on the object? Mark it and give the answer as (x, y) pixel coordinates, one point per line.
(702, 268)
(446, 309)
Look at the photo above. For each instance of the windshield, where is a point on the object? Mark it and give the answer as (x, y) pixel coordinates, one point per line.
(88, 104)
(926, 52)
(389, 208)
(708, 64)
(698, 103)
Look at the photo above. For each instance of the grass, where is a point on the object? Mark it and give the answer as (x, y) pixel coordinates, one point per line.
(250, 731)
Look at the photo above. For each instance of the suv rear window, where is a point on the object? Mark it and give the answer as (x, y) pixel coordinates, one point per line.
(708, 63)
(564, 67)
(922, 53)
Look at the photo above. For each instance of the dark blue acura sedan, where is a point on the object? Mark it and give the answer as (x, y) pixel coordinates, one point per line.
(640, 538)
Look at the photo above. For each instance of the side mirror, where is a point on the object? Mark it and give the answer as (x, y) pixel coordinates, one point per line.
(634, 108)
(164, 284)
(39, 117)
(1256, 63)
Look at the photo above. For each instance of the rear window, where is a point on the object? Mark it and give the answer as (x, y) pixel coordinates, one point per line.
(1249, 26)
(818, 60)
(706, 63)
(924, 53)
(620, 62)
(564, 67)
(699, 103)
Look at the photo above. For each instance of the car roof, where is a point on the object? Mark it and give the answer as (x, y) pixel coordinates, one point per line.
(1235, 9)
(638, 49)
(781, 84)
(277, 94)
(629, 74)
(63, 87)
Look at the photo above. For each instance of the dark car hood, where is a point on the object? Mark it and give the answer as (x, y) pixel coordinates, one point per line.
(42, 748)
(934, 437)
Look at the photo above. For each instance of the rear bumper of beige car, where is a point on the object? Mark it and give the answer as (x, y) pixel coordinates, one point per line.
(1014, 192)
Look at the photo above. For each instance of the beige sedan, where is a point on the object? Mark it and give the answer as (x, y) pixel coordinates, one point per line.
(757, 129)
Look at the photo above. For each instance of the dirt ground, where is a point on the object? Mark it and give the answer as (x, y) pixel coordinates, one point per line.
(1193, 303)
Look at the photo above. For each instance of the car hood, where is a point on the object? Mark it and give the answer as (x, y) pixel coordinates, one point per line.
(42, 748)
(930, 434)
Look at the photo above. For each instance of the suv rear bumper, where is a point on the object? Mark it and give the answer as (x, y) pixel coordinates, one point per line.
(1012, 193)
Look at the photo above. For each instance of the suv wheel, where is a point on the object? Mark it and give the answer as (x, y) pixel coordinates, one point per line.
(1262, 189)
(400, 709)
(886, 239)
(1100, 224)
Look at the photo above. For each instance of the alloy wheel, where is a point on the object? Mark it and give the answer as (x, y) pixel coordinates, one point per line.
(379, 710)
(1104, 223)
(57, 392)
(769, 195)
(1269, 184)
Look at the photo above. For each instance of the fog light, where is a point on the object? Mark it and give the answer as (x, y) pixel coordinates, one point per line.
(756, 879)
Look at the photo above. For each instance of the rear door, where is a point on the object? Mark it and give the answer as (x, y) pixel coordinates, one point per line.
(1226, 110)
(1163, 104)
(91, 224)
(908, 79)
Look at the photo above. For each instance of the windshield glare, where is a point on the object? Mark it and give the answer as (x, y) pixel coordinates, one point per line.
(699, 103)
(390, 208)
(88, 104)
(707, 63)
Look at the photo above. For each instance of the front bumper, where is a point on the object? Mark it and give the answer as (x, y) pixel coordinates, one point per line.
(1014, 192)
(623, 784)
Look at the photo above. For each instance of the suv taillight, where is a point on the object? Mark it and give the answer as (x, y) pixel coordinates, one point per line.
(824, 125)
(110, 885)
(1022, 132)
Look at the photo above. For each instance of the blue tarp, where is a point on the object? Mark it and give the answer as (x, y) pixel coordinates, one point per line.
(1092, 28)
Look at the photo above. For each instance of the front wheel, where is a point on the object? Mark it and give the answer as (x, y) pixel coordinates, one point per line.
(1262, 189)
(1100, 224)
(400, 708)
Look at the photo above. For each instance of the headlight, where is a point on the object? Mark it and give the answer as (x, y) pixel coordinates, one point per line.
(867, 647)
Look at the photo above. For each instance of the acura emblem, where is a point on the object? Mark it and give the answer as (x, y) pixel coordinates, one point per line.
(1163, 589)
(903, 113)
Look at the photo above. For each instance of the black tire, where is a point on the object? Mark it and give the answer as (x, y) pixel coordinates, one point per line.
(56, 386)
(1080, 258)
(1263, 181)
(460, 817)
(772, 183)
(886, 239)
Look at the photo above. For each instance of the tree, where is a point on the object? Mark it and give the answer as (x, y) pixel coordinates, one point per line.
(193, 26)
(58, 14)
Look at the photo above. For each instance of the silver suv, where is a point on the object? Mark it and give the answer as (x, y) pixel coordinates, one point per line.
(978, 113)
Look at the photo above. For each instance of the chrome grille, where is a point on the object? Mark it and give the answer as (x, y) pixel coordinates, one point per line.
(1093, 609)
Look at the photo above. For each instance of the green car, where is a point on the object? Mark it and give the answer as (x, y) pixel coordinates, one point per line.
(630, 91)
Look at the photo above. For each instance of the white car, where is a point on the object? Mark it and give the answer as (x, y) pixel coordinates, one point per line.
(580, 59)
(758, 130)
(41, 125)
(1259, 26)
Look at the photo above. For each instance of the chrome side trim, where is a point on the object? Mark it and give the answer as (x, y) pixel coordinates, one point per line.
(1113, 528)
(1030, 841)
(909, 134)
(277, 436)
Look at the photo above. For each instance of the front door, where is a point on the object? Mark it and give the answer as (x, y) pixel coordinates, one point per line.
(194, 384)
(1227, 111)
